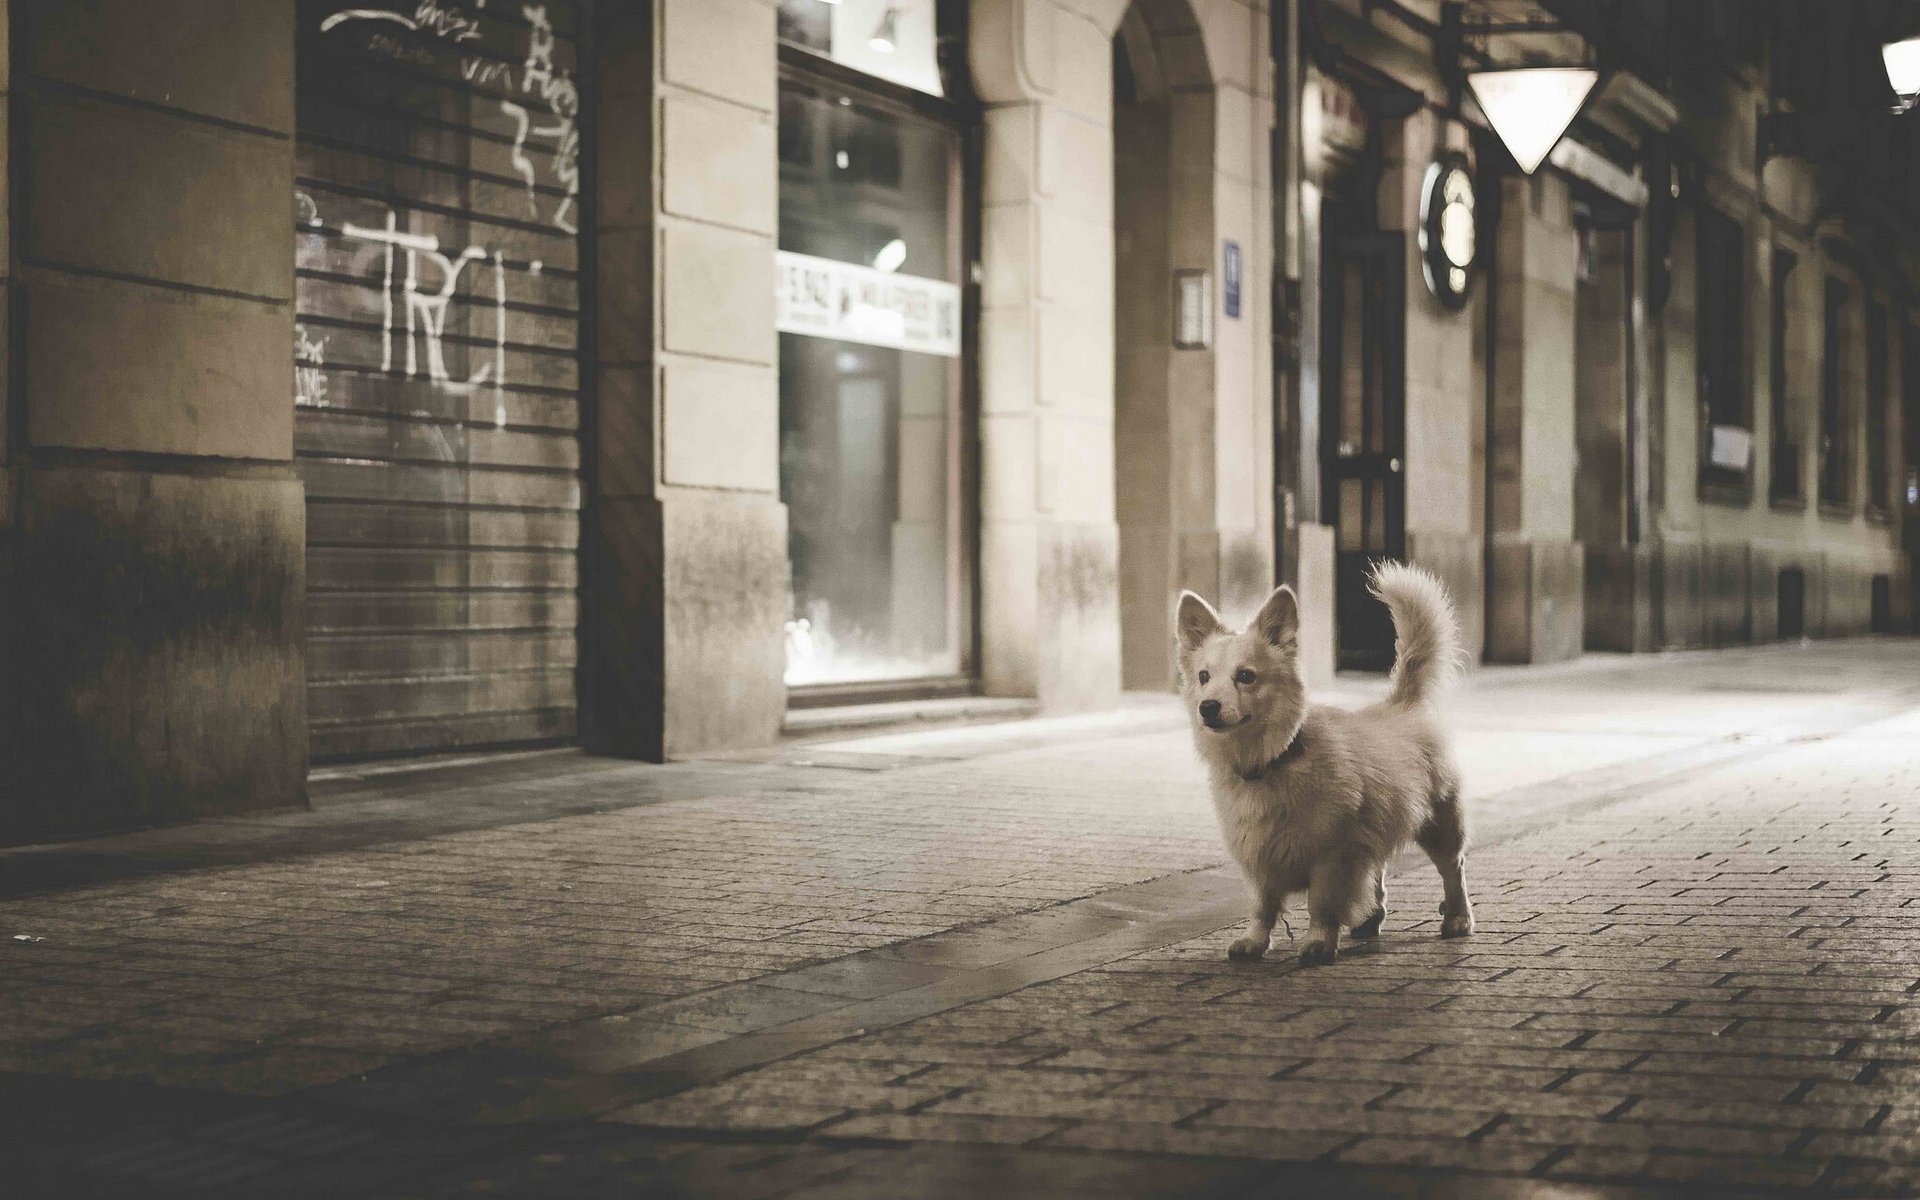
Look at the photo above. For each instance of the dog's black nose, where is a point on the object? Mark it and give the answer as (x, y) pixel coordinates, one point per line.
(1209, 709)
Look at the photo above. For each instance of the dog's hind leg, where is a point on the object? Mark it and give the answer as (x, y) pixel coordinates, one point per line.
(1370, 927)
(1444, 838)
(1335, 892)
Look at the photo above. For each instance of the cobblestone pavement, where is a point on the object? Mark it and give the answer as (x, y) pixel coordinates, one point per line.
(993, 959)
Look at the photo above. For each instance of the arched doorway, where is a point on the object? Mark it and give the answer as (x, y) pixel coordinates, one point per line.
(1163, 218)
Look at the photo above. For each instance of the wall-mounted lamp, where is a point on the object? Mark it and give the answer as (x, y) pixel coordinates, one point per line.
(1903, 71)
(1531, 98)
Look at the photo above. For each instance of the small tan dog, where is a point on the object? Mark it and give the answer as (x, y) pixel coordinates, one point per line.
(1320, 799)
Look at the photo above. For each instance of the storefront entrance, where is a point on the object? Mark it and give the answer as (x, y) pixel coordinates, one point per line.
(874, 347)
(436, 375)
(1363, 426)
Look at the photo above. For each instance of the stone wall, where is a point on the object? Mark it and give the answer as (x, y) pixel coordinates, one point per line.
(153, 612)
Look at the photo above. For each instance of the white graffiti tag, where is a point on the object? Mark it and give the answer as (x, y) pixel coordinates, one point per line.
(426, 307)
(309, 376)
(441, 20)
(557, 91)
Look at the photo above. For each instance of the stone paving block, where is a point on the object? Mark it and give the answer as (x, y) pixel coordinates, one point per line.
(1509, 1157)
(1330, 1118)
(1756, 1112)
(1154, 1110)
(1284, 1145)
(1627, 1133)
(958, 1127)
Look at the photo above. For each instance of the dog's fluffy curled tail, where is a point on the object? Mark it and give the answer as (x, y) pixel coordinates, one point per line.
(1427, 634)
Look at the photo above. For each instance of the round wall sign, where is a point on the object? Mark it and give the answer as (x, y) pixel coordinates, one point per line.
(1449, 229)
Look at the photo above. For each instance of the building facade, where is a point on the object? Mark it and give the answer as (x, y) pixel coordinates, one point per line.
(629, 375)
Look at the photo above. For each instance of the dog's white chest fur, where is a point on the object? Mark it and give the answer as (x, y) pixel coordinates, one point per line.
(1259, 821)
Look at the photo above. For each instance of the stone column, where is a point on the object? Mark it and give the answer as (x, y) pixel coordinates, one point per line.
(1048, 540)
(685, 539)
(1445, 382)
(155, 615)
(1536, 603)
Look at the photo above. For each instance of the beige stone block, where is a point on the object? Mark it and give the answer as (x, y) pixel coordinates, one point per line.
(125, 190)
(1010, 158)
(123, 366)
(1228, 28)
(1011, 50)
(1007, 472)
(1008, 374)
(156, 671)
(231, 59)
(1079, 595)
(725, 580)
(1075, 467)
(1105, 14)
(726, 48)
(1009, 608)
(721, 426)
(1073, 259)
(720, 164)
(1316, 591)
(717, 293)
(1076, 164)
(1083, 64)
(1009, 254)
(1234, 127)
(1075, 358)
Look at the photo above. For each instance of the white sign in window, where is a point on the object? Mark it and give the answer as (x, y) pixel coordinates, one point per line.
(1730, 447)
(823, 297)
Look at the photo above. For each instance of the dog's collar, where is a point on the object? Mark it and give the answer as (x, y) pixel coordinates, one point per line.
(1295, 749)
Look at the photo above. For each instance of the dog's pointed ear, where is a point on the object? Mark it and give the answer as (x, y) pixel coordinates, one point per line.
(1195, 621)
(1279, 619)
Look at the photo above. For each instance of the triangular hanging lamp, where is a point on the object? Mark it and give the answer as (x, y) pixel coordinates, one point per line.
(1530, 107)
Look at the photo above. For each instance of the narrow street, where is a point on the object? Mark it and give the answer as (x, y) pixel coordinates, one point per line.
(990, 959)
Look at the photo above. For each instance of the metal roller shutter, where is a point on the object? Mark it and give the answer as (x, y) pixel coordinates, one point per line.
(436, 371)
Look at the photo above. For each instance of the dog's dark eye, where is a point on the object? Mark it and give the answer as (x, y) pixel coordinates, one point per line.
(1243, 676)
(1204, 677)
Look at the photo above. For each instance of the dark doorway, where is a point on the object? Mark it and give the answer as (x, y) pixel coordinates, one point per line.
(1882, 620)
(1793, 603)
(1363, 429)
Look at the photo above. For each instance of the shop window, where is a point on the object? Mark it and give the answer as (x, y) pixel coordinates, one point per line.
(1879, 443)
(1785, 476)
(871, 336)
(1836, 467)
(1720, 344)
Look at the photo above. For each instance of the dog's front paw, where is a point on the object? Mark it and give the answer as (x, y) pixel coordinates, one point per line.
(1456, 925)
(1316, 953)
(1248, 949)
(1370, 928)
